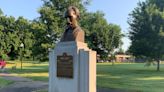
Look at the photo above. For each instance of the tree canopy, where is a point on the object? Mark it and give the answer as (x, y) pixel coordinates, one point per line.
(13, 32)
(101, 36)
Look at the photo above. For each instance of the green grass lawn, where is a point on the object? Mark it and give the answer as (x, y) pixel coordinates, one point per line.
(133, 77)
(37, 71)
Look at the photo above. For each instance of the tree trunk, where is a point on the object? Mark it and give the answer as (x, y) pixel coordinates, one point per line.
(158, 65)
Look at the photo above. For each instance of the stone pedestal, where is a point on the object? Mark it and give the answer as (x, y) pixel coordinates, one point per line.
(72, 68)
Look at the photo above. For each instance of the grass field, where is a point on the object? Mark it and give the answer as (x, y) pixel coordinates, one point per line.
(34, 71)
(133, 77)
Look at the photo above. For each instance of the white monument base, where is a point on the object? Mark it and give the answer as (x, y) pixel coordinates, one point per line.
(84, 68)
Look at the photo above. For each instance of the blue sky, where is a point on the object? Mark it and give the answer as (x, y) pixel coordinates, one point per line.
(26, 8)
(116, 11)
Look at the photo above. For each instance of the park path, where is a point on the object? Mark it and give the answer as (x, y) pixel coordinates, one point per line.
(27, 85)
(22, 84)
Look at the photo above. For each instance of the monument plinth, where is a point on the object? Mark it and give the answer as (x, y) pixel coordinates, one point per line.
(72, 65)
(72, 68)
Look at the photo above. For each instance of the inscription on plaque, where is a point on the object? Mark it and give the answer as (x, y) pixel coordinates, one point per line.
(65, 66)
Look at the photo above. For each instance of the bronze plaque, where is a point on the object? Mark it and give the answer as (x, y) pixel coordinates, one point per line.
(65, 66)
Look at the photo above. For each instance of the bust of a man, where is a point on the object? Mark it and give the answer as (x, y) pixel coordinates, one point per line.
(73, 32)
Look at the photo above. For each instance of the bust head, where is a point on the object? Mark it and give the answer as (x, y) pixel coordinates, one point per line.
(73, 32)
(72, 15)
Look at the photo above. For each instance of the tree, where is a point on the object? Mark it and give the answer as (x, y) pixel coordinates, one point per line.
(12, 33)
(120, 51)
(101, 36)
(52, 13)
(52, 24)
(147, 30)
(7, 35)
(40, 41)
(22, 27)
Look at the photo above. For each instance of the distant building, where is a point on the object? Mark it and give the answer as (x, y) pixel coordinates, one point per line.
(124, 58)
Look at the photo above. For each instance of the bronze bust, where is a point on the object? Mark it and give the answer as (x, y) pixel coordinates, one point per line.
(73, 32)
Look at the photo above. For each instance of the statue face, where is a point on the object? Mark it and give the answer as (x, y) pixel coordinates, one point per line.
(71, 18)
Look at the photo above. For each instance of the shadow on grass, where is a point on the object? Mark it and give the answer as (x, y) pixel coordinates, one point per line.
(36, 66)
(131, 77)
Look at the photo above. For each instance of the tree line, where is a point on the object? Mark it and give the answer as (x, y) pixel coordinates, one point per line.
(41, 34)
